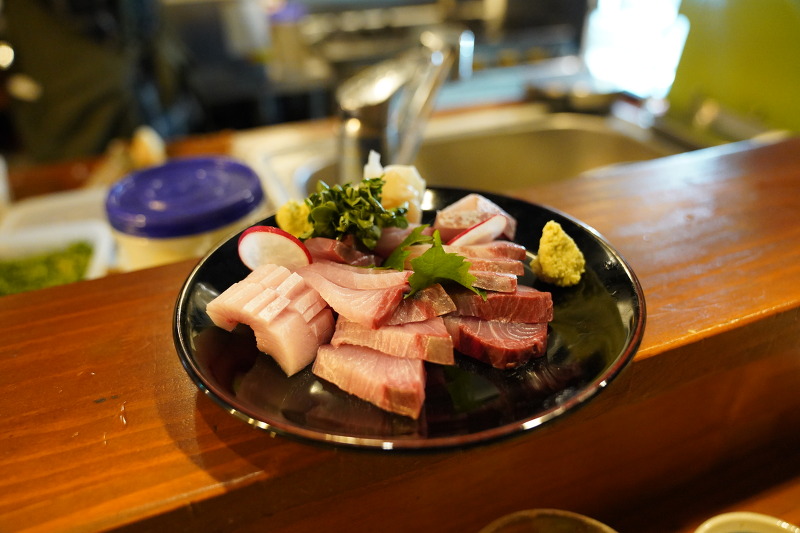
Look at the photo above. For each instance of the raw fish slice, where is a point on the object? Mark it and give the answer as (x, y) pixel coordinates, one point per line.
(322, 249)
(308, 303)
(251, 309)
(370, 307)
(290, 340)
(500, 264)
(489, 250)
(394, 384)
(427, 303)
(354, 277)
(500, 344)
(245, 297)
(392, 237)
(468, 211)
(268, 275)
(225, 311)
(322, 325)
(494, 281)
(291, 287)
(485, 264)
(274, 280)
(525, 305)
(428, 340)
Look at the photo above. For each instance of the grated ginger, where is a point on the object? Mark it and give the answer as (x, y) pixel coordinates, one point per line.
(558, 260)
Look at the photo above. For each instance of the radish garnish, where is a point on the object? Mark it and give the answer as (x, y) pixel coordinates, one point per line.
(482, 232)
(262, 245)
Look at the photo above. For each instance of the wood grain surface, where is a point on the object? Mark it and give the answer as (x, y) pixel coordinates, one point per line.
(100, 427)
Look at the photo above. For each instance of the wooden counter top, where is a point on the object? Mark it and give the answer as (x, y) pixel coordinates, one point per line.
(101, 428)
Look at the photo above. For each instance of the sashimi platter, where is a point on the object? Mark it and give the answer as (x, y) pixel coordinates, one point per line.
(389, 315)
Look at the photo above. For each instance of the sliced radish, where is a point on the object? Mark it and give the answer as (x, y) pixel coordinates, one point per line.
(262, 245)
(482, 232)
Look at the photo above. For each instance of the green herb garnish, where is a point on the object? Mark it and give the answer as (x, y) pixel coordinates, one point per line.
(342, 210)
(435, 265)
(438, 266)
(397, 259)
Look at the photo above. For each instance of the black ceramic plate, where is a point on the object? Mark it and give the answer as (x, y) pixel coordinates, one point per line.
(596, 330)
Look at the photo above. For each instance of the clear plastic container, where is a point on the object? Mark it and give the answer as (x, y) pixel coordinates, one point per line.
(181, 209)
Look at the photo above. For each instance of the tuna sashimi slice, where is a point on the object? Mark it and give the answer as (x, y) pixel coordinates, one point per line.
(427, 303)
(428, 340)
(292, 341)
(370, 307)
(355, 277)
(525, 305)
(394, 384)
(500, 344)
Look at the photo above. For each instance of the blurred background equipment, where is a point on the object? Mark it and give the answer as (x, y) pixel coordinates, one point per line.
(77, 75)
(85, 72)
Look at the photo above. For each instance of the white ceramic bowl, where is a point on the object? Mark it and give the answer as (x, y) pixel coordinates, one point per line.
(744, 522)
(546, 520)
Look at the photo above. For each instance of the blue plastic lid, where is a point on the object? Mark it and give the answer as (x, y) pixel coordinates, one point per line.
(183, 197)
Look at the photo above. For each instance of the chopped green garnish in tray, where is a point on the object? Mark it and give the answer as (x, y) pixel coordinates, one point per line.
(48, 269)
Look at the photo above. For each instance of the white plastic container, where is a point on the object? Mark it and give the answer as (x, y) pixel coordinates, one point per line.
(56, 208)
(32, 241)
(181, 209)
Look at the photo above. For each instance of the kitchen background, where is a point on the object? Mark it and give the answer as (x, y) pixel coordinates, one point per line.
(75, 75)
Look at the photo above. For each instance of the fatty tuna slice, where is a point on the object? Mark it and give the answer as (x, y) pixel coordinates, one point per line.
(501, 344)
(291, 341)
(432, 301)
(427, 341)
(355, 277)
(394, 384)
(370, 307)
(525, 305)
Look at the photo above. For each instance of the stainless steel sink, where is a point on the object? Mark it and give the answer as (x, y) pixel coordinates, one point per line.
(495, 150)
